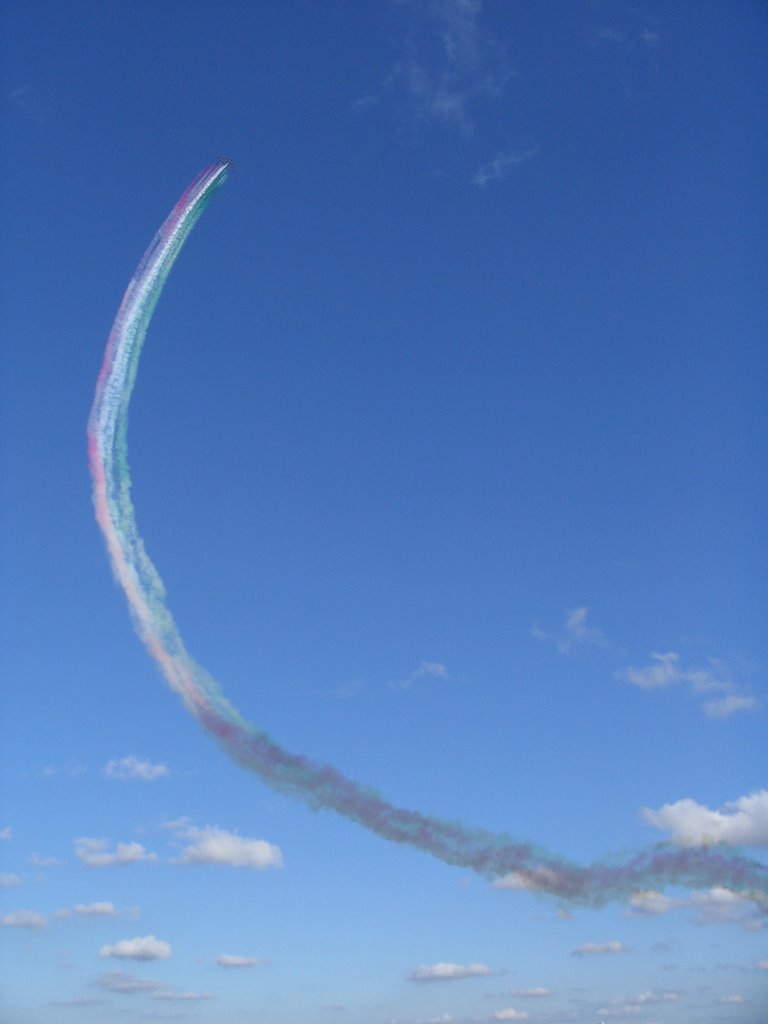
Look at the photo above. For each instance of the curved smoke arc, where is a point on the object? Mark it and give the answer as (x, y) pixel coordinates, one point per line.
(321, 785)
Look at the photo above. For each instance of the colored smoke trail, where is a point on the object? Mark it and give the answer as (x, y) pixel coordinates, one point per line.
(322, 786)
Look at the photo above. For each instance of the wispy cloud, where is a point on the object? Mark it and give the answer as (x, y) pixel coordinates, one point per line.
(71, 770)
(145, 947)
(424, 670)
(171, 995)
(539, 992)
(574, 634)
(722, 906)
(448, 63)
(233, 960)
(742, 822)
(96, 853)
(5, 833)
(213, 845)
(510, 1013)
(126, 984)
(448, 972)
(8, 880)
(500, 167)
(24, 919)
(132, 768)
(724, 707)
(666, 669)
(599, 948)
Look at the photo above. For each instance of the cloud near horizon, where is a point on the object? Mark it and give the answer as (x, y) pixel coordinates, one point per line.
(448, 972)
(599, 948)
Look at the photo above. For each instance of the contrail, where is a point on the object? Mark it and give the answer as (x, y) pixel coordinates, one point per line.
(320, 785)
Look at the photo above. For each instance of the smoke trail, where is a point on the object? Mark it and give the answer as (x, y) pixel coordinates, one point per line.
(322, 786)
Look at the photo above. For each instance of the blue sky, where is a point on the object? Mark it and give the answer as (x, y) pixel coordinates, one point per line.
(448, 441)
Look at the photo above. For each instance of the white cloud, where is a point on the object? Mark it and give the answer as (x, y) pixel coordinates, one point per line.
(43, 862)
(722, 906)
(650, 902)
(424, 670)
(212, 845)
(531, 993)
(666, 670)
(230, 960)
(8, 880)
(500, 166)
(575, 633)
(103, 909)
(146, 947)
(5, 833)
(648, 998)
(132, 768)
(529, 881)
(173, 996)
(510, 1014)
(24, 919)
(448, 62)
(448, 972)
(598, 948)
(127, 984)
(444, 1018)
(731, 1000)
(723, 707)
(761, 965)
(95, 853)
(742, 822)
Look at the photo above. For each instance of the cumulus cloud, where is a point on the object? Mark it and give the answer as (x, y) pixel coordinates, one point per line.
(24, 919)
(649, 902)
(8, 880)
(146, 947)
(448, 972)
(96, 854)
(575, 633)
(230, 960)
(742, 822)
(598, 948)
(213, 845)
(510, 1014)
(500, 166)
(132, 768)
